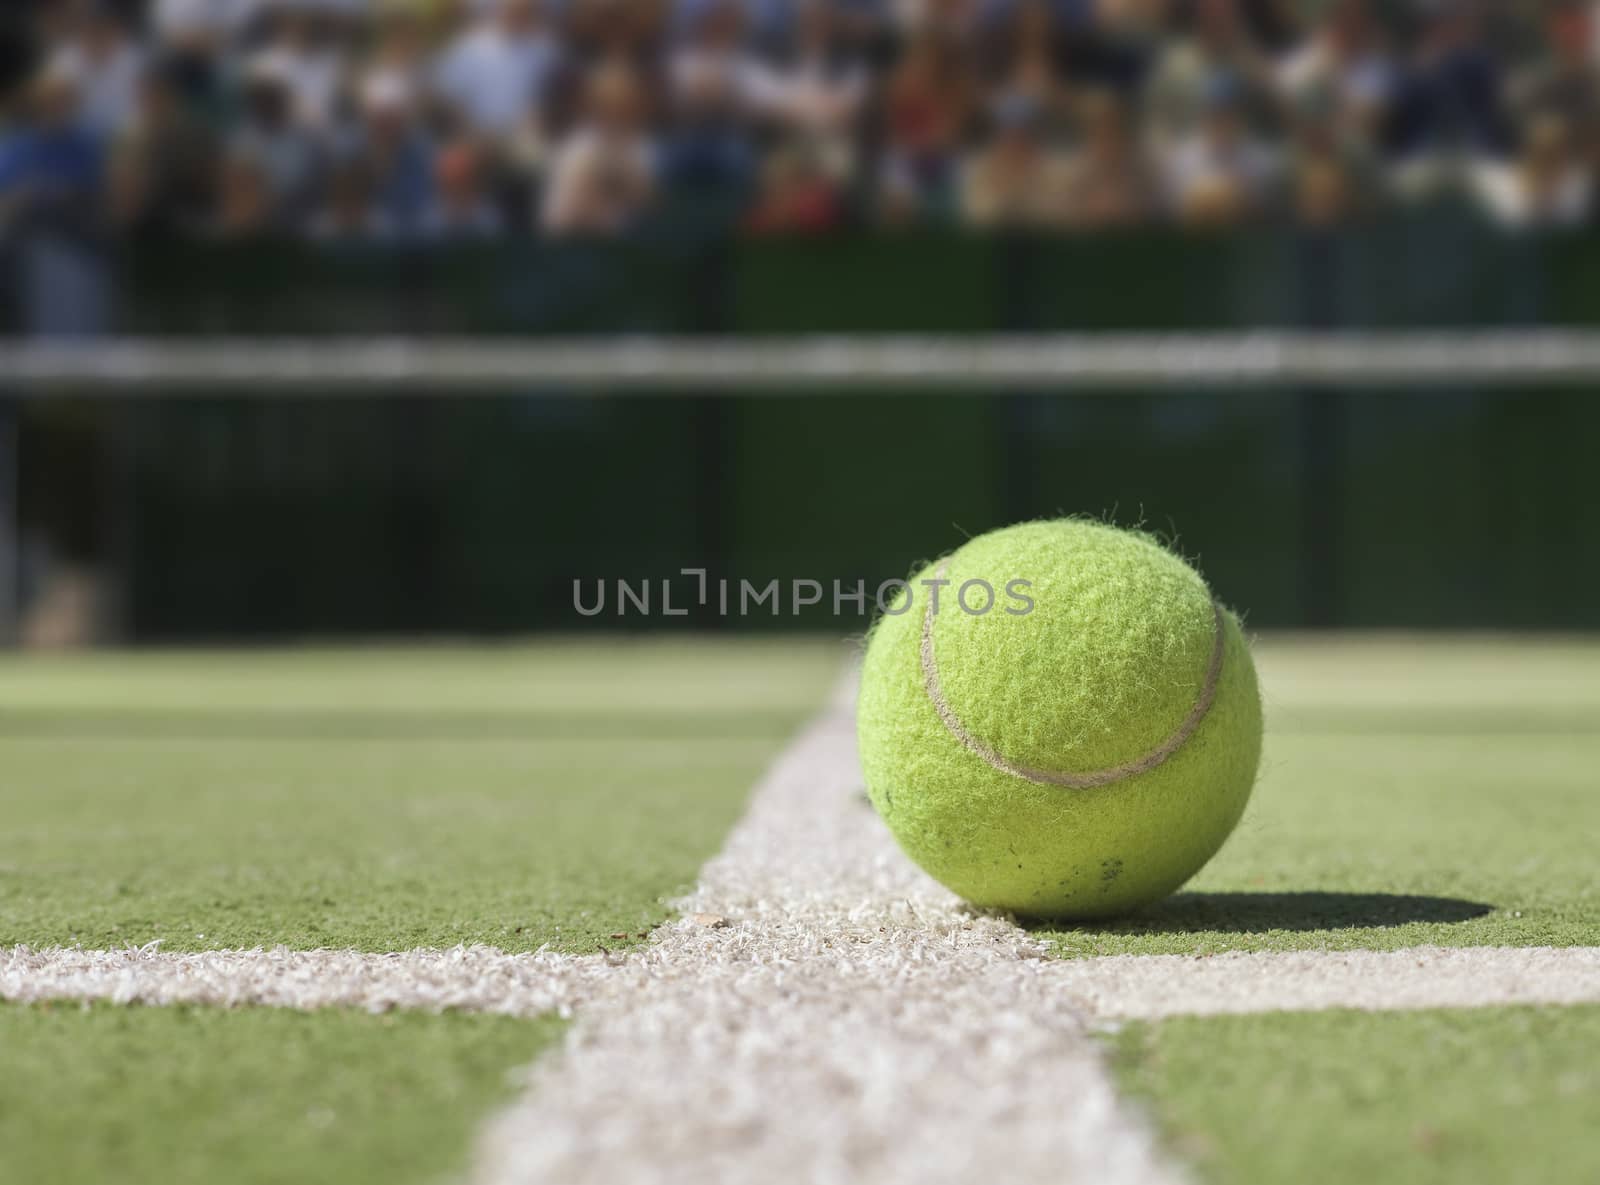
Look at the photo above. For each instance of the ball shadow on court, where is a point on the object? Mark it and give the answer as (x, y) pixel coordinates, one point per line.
(1249, 913)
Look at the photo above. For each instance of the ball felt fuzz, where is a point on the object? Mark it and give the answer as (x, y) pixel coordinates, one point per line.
(1077, 758)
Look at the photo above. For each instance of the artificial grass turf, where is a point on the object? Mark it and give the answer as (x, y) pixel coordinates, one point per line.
(1406, 1098)
(254, 1096)
(1412, 791)
(382, 799)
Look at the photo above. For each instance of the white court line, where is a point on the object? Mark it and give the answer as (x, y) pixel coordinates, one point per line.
(1119, 987)
(850, 1022)
(1152, 987)
(472, 979)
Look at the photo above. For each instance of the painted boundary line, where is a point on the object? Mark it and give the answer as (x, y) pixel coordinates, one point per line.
(471, 979)
(824, 1013)
(1115, 988)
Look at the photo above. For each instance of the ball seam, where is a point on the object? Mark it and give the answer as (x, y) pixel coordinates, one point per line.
(1072, 781)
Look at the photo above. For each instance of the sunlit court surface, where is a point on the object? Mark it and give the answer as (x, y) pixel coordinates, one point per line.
(815, 592)
(417, 851)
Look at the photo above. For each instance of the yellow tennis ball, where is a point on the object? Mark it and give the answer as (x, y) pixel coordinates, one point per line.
(1060, 720)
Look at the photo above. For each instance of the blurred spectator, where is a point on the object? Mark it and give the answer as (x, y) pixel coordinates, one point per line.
(1332, 166)
(461, 207)
(1133, 19)
(1015, 180)
(1217, 45)
(799, 193)
(1567, 81)
(816, 98)
(1114, 42)
(1326, 188)
(1108, 182)
(1346, 68)
(273, 147)
(1548, 185)
(349, 212)
(820, 87)
(106, 65)
(1221, 174)
(401, 57)
(50, 167)
(953, 21)
(600, 30)
(199, 40)
(865, 26)
(496, 70)
(163, 171)
(303, 54)
(602, 180)
(202, 26)
(931, 102)
(1452, 99)
(395, 154)
(1027, 56)
(713, 67)
(1273, 23)
(716, 88)
(246, 206)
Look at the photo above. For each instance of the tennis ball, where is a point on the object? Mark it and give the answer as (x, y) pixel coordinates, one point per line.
(1076, 742)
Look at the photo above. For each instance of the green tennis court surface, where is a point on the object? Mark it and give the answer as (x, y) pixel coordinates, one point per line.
(1412, 1098)
(186, 1096)
(381, 799)
(387, 799)
(1411, 792)
(564, 793)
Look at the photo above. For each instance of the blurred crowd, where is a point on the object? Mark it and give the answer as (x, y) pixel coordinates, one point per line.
(461, 119)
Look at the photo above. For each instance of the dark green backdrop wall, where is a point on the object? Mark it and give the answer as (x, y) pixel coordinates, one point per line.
(299, 516)
(296, 515)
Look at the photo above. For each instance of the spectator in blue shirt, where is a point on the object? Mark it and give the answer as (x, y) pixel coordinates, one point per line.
(50, 166)
(397, 154)
(715, 87)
